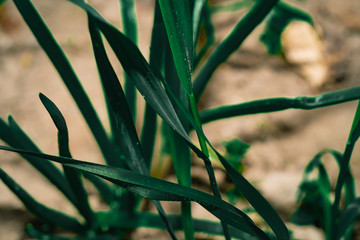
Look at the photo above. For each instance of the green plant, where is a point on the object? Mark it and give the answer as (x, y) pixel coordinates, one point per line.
(171, 92)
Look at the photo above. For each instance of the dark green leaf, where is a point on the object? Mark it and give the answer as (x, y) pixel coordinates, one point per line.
(44, 213)
(128, 15)
(179, 151)
(209, 32)
(138, 69)
(232, 42)
(250, 193)
(156, 60)
(37, 234)
(62, 65)
(196, 19)
(348, 218)
(117, 100)
(73, 176)
(344, 170)
(151, 220)
(158, 189)
(278, 104)
(178, 24)
(16, 137)
(280, 17)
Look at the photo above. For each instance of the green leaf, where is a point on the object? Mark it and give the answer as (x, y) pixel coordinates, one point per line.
(44, 213)
(232, 42)
(279, 104)
(131, 144)
(73, 176)
(16, 137)
(356, 120)
(179, 151)
(235, 151)
(157, 189)
(344, 170)
(37, 234)
(280, 17)
(156, 60)
(262, 206)
(196, 19)
(348, 218)
(128, 16)
(62, 65)
(148, 83)
(151, 220)
(316, 199)
(209, 32)
(250, 193)
(177, 20)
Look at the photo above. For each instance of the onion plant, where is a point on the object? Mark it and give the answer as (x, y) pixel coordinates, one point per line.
(171, 91)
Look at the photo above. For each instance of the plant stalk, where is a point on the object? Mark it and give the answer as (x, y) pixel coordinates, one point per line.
(208, 165)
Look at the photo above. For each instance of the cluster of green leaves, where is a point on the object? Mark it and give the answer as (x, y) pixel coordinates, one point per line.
(171, 92)
(316, 206)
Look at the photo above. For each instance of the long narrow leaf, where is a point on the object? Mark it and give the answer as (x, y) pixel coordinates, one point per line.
(279, 104)
(156, 60)
(196, 19)
(245, 26)
(177, 20)
(209, 31)
(179, 150)
(348, 217)
(344, 169)
(72, 175)
(117, 100)
(158, 189)
(38, 234)
(41, 211)
(152, 220)
(151, 88)
(62, 65)
(250, 193)
(137, 68)
(128, 16)
(16, 137)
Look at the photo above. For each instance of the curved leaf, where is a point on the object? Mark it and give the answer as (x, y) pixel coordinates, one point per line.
(282, 15)
(62, 65)
(232, 42)
(131, 144)
(41, 211)
(250, 193)
(158, 189)
(16, 137)
(72, 175)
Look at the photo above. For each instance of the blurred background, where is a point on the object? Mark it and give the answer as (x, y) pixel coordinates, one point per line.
(314, 61)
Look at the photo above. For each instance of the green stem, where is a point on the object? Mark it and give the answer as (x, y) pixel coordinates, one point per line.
(128, 15)
(208, 165)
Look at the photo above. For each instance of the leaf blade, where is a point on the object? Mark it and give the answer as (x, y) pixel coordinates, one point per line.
(62, 65)
(177, 20)
(160, 190)
(41, 211)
